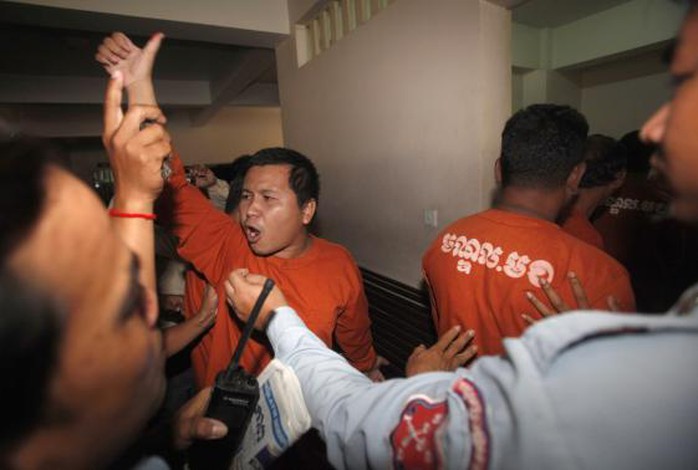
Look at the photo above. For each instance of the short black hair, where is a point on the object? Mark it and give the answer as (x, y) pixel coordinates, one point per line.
(541, 144)
(30, 324)
(639, 153)
(303, 178)
(236, 172)
(605, 159)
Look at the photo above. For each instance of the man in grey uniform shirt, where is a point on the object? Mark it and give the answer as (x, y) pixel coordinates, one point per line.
(581, 390)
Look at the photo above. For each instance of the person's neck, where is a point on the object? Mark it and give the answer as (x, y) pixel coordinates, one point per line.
(297, 249)
(589, 199)
(534, 202)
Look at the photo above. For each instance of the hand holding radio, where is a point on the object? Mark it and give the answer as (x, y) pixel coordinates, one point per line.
(233, 400)
(242, 290)
(191, 425)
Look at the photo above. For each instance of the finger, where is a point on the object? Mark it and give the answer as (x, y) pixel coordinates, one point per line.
(236, 279)
(113, 114)
(115, 48)
(158, 150)
(459, 343)
(229, 291)
(123, 41)
(553, 296)
(210, 297)
(447, 338)
(153, 45)
(136, 116)
(256, 279)
(200, 429)
(207, 429)
(103, 57)
(528, 319)
(463, 358)
(578, 291)
(239, 273)
(540, 306)
(106, 56)
(613, 304)
(417, 351)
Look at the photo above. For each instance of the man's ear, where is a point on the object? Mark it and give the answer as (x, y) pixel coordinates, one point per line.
(575, 177)
(620, 179)
(308, 211)
(498, 171)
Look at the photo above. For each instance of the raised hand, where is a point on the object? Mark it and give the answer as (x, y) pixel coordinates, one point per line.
(209, 308)
(558, 304)
(449, 353)
(117, 52)
(242, 290)
(190, 424)
(203, 176)
(136, 153)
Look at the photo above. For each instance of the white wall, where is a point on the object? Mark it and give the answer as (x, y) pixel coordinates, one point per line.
(232, 132)
(400, 116)
(622, 106)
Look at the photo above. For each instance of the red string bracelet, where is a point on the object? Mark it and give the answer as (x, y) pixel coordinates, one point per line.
(130, 215)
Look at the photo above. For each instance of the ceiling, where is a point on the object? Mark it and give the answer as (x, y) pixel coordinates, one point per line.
(38, 44)
(552, 13)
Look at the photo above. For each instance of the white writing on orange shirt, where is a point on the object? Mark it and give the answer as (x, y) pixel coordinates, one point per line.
(618, 204)
(471, 252)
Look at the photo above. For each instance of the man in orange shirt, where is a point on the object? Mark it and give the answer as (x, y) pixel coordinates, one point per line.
(605, 161)
(658, 251)
(279, 199)
(481, 268)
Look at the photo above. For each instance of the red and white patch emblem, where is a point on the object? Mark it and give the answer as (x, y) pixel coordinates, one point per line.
(477, 421)
(416, 439)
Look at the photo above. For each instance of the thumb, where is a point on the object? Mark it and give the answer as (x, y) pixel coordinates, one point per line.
(207, 429)
(153, 45)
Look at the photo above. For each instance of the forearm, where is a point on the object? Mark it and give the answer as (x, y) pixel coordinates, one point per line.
(353, 333)
(138, 234)
(355, 416)
(358, 349)
(205, 234)
(142, 92)
(179, 336)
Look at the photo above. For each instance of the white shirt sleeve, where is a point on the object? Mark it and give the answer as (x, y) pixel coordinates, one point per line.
(373, 425)
(580, 390)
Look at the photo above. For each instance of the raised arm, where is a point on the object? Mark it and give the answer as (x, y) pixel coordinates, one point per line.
(118, 53)
(136, 157)
(176, 338)
(397, 423)
(205, 233)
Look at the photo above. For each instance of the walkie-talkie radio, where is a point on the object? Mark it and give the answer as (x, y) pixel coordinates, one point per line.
(233, 401)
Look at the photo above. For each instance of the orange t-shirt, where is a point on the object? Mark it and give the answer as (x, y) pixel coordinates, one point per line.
(578, 225)
(660, 253)
(323, 285)
(480, 267)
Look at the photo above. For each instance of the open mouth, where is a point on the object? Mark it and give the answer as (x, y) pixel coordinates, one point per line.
(253, 234)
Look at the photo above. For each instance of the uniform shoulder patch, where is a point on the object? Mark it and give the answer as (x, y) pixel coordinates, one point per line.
(416, 440)
(477, 422)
